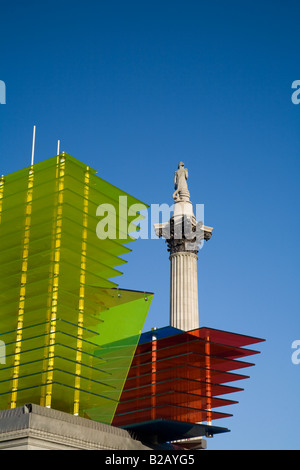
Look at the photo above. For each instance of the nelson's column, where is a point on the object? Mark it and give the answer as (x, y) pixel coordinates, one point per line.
(183, 234)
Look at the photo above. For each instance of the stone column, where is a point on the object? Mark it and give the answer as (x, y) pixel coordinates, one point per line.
(183, 234)
(184, 291)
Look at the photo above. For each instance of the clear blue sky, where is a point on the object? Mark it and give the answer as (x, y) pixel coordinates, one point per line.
(131, 88)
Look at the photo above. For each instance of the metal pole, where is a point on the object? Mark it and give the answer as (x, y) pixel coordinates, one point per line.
(33, 146)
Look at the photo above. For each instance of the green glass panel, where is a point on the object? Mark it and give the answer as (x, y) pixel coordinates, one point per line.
(128, 311)
(52, 260)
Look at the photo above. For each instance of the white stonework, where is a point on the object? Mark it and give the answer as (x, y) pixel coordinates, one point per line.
(184, 291)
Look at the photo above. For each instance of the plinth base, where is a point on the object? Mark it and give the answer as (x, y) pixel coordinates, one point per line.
(34, 427)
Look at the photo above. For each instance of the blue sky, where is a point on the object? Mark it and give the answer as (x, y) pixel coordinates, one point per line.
(131, 88)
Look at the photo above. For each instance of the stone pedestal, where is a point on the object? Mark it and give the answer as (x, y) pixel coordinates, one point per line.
(33, 427)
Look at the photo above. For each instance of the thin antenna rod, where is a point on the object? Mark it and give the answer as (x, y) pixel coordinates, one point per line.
(33, 146)
(58, 146)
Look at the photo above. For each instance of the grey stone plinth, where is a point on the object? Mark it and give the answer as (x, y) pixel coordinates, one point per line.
(34, 427)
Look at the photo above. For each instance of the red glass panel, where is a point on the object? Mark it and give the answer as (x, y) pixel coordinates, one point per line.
(170, 412)
(194, 359)
(190, 344)
(173, 398)
(179, 377)
(179, 385)
(225, 337)
(184, 371)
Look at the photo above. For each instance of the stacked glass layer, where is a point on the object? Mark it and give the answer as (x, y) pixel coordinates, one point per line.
(180, 376)
(69, 332)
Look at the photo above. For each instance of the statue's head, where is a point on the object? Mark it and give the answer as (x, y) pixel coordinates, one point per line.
(180, 165)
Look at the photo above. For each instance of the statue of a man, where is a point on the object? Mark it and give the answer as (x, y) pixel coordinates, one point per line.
(180, 178)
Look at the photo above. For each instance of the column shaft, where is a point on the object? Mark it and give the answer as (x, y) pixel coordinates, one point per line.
(184, 291)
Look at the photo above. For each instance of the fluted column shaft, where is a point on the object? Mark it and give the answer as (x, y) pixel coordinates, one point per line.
(184, 291)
